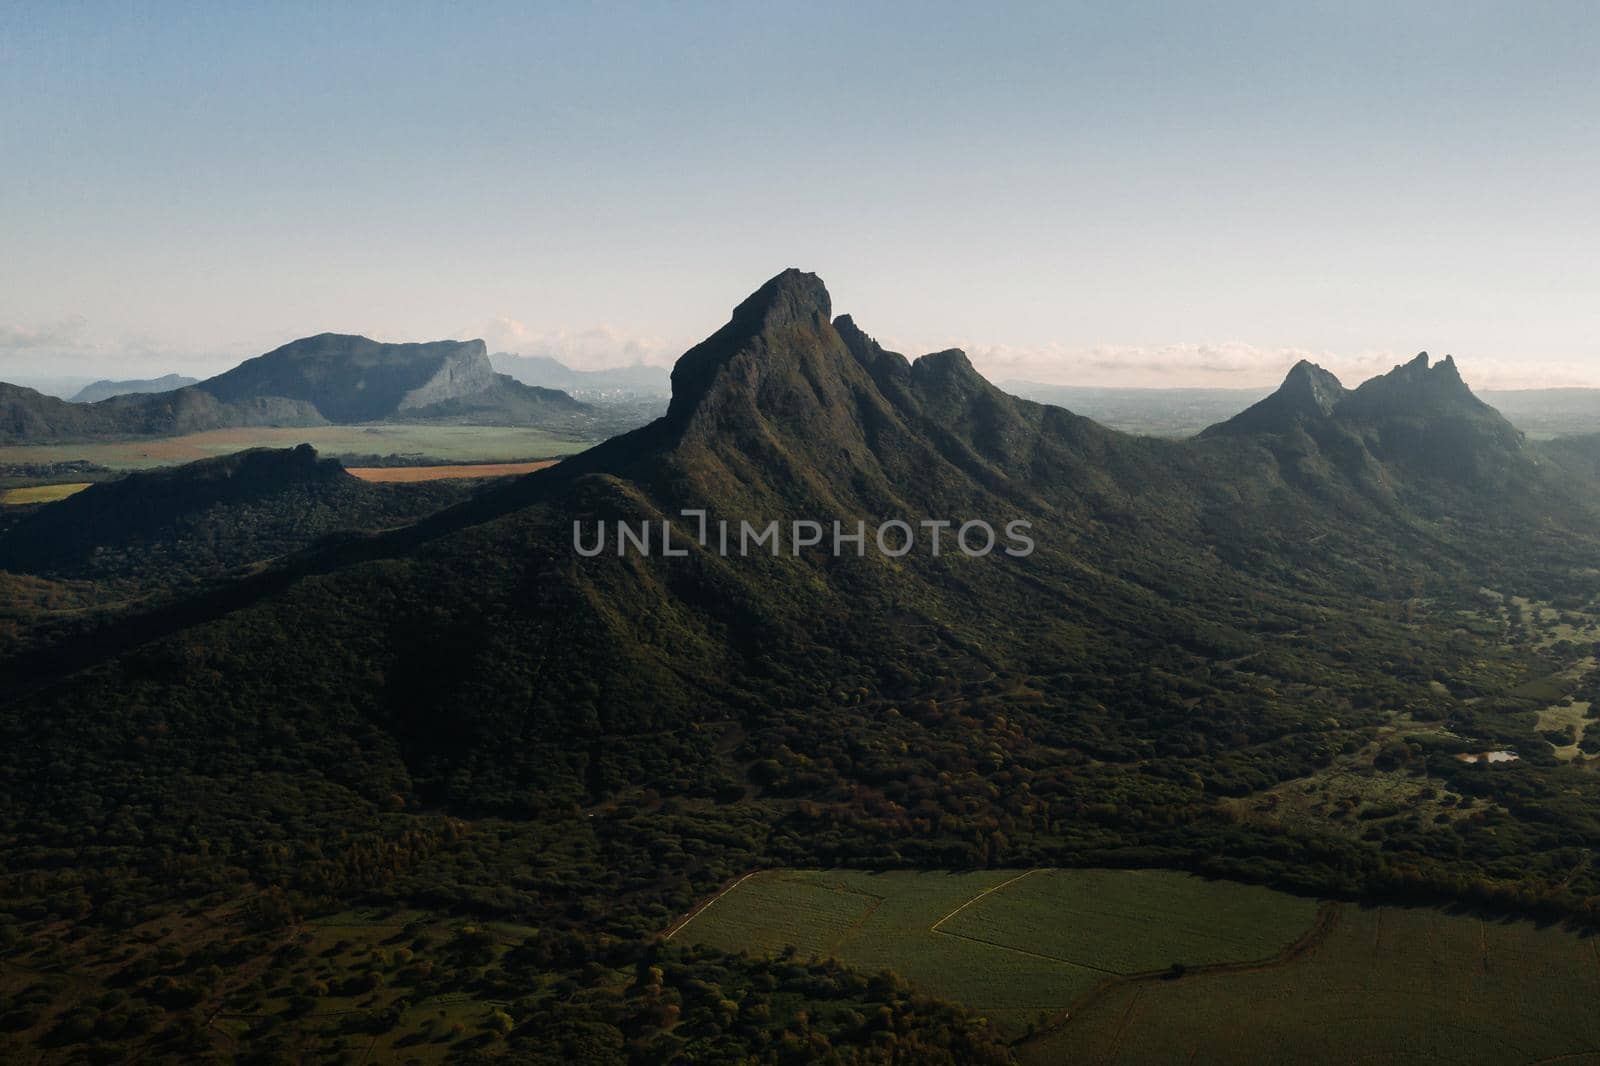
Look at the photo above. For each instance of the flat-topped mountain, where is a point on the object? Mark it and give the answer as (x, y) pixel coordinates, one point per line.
(327, 378)
(105, 388)
(354, 379)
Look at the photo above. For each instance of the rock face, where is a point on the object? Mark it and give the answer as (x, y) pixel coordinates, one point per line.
(461, 375)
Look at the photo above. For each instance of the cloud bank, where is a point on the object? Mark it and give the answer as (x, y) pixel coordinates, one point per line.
(1237, 366)
(599, 347)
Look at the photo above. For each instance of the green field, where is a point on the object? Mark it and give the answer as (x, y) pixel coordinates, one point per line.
(1386, 985)
(456, 443)
(1014, 945)
(1267, 977)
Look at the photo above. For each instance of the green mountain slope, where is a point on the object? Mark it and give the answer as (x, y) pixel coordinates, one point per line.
(470, 713)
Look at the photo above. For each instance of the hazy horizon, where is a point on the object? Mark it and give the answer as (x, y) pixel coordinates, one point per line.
(1147, 196)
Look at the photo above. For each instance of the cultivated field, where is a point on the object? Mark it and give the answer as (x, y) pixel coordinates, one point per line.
(1386, 985)
(1079, 965)
(41, 493)
(1018, 946)
(456, 443)
(440, 473)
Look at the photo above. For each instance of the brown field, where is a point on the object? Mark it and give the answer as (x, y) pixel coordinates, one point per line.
(450, 442)
(437, 473)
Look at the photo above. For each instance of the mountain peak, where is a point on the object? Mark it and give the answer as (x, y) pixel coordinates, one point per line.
(1415, 388)
(791, 309)
(793, 297)
(1308, 392)
(1312, 386)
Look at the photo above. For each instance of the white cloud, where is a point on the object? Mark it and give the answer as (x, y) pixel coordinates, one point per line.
(64, 337)
(1237, 365)
(595, 348)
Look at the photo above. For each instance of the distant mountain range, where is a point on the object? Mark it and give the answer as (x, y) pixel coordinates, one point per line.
(329, 378)
(627, 381)
(1183, 412)
(104, 389)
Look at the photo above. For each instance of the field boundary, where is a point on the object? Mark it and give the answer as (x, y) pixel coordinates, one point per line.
(934, 928)
(700, 908)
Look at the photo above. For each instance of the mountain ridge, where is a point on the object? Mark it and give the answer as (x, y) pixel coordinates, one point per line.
(106, 388)
(1200, 623)
(315, 380)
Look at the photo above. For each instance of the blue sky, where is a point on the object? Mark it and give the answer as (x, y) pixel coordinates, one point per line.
(1109, 193)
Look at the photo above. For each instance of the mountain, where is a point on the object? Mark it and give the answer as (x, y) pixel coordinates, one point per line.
(30, 417)
(637, 380)
(1416, 415)
(207, 516)
(1309, 392)
(313, 381)
(104, 389)
(478, 712)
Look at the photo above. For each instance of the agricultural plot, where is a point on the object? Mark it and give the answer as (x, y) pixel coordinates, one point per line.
(1017, 946)
(41, 493)
(442, 472)
(1132, 921)
(1384, 985)
(455, 443)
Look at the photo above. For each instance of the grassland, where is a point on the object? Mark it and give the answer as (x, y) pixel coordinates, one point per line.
(1016, 945)
(457, 443)
(1078, 965)
(1385, 985)
(40, 493)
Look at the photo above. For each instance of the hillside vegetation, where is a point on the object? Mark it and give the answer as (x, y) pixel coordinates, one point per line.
(1259, 654)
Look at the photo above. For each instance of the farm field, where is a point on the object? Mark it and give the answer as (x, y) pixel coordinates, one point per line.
(1385, 985)
(1078, 965)
(442, 473)
(458, 443)
(1016, 945)
(41, 493)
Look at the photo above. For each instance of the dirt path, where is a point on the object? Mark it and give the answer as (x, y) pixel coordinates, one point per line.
(699, 909)
(934, 928)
